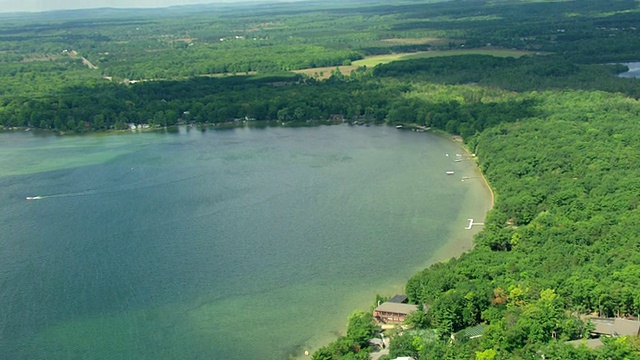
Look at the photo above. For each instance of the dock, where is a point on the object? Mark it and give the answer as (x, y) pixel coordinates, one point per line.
(471, 224)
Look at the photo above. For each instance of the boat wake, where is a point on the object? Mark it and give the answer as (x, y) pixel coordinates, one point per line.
(134, 186)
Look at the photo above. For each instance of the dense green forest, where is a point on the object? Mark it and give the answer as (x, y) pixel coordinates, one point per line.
(556, 134)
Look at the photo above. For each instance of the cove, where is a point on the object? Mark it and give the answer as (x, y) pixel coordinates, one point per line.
(633, 72)
(235, 244)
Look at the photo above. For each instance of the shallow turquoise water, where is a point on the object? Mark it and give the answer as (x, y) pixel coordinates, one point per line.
(238, 244)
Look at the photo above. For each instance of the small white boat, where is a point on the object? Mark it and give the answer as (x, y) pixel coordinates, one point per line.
(34, 197)
(449, 173)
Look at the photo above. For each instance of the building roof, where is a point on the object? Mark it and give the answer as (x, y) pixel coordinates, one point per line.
(616, 326)
(472, 332)
(397, 308)
(399, 299)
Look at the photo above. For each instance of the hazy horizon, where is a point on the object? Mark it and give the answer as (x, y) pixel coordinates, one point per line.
(8, 6)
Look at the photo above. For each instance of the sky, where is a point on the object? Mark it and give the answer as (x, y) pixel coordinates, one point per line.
(46, 5)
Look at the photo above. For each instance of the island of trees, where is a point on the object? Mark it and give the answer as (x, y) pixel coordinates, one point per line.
(555, 130)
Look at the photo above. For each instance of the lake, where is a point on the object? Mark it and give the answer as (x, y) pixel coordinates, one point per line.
(634, 70)
(234, 244)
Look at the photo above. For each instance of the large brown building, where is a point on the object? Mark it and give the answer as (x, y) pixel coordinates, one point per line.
(393, 313)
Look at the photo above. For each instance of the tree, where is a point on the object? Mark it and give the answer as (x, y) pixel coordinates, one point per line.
(406, 344)
(98, 122)
(418, 319)
(488, 354)
(361, 327)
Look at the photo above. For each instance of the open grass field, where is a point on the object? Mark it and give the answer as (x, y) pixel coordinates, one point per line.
(371, 61)
(383, 59)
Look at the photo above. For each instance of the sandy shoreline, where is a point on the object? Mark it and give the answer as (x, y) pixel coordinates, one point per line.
(458, 140)
(460, 240)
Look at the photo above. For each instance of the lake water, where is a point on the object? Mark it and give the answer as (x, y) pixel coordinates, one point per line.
(236, 244)
(634, 70)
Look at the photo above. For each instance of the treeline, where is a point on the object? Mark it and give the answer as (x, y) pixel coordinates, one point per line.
(527, 73)
(285, 98)
(200, 100)
(397, 92)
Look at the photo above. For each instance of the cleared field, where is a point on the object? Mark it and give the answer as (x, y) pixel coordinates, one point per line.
(383, 59)
(322, 73)
(371, 61)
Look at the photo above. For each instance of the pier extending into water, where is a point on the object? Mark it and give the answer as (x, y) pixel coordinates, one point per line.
(471, 224)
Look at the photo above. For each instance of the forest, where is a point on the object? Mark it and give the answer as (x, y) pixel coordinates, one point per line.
(556, 133)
